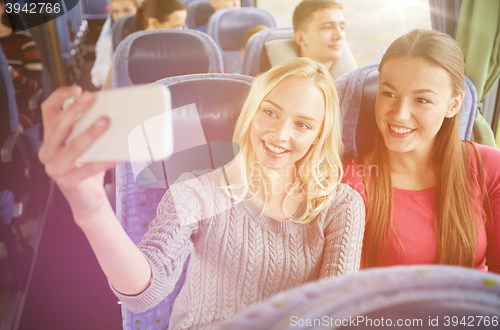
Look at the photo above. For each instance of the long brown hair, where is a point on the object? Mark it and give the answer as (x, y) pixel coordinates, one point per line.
(454, 217)
(159, 9)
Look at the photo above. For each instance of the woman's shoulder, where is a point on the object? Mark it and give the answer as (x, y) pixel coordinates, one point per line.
(345, 197)
(487, 153)
(346, 209)
(489, 157)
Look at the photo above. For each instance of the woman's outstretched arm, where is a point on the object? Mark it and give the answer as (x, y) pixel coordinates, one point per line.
(82, 184)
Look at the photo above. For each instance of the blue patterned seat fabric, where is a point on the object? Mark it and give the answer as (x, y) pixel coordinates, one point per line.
(255, 60)
(123, 27)
(419, 293)
(199, 12)
(147, 56)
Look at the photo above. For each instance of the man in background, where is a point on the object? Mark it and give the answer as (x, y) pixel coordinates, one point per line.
(319, 27)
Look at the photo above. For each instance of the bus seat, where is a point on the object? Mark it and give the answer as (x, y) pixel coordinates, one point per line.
(256, 60)
(199, 11)
(123, 27)
(228, 27)
(248, 3)
(147, 56)
(357, 93)
(417, 296)
(187, 2)
(95, 9)
(244, 3)
(273, 46)
(218, 99)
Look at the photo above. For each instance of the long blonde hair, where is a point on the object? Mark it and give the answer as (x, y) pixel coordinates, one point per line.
(320, 170)
(454, 219)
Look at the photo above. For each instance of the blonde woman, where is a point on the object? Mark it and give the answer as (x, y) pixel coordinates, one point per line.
(430, 198)
(281, 218)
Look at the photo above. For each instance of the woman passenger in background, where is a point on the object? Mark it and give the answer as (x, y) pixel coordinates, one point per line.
(152, 15)
(104, 55)
(160, 14)
(431, 198)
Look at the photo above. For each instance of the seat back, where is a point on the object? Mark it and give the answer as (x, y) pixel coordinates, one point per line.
(248, 3)
(218, 99)
(187, 2)
(199, 11)
(357, 93)
(122, 28)
(421, 296)
(244, 3)
(273, 46)
(95, 9)
(9, 122)
(256, 60)
(147, 56)
(228, 27)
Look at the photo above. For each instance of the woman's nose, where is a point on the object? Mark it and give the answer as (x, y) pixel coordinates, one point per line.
(401, 111)
(281, 131)
(337, 33)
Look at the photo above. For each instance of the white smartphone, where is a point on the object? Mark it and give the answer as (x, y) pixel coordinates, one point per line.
(140, 125)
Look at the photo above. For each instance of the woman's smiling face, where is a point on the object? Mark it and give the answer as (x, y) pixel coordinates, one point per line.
(414, 97)
(287, 123)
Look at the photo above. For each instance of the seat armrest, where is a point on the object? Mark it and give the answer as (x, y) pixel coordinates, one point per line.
(15, 140)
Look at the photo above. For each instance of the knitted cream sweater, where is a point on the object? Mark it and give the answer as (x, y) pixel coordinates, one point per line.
(240, 256)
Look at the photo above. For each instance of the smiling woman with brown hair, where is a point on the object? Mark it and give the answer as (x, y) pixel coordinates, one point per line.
(431, 198)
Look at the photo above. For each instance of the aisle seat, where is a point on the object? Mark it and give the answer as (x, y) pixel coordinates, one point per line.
(122, 28)
(199, 11)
